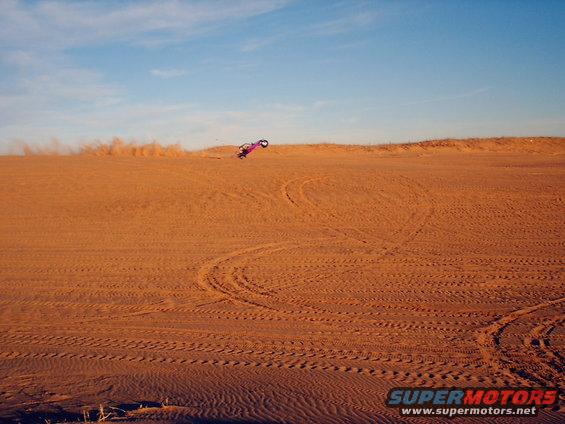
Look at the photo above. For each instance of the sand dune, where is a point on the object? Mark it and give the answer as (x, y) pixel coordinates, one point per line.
(123, 148)
(298, 285)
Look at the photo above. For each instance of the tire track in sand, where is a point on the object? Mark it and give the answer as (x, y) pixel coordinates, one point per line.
(233, 284)
(220, 278)
(300, 200)
(547, 361)
(494, 354)
(282, 361)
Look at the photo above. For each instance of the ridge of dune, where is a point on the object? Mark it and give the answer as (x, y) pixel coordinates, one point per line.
(120, 147)
(490, 144)
(518, 144)
(498, 144)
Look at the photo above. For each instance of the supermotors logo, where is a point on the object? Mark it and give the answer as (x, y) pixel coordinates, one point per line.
(452, 402)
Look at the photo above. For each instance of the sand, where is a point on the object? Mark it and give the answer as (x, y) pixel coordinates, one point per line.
(297, 285)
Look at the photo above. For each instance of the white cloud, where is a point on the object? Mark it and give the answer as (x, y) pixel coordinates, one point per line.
(321, 104)
(254, 44)
(352, 17)
(168, 73)
(42, 97)
(70, 84)
(464, 95)
(19, 58)
(344, 24)
(350, 120)
(61, 25)
(186, 123)
(49, 95)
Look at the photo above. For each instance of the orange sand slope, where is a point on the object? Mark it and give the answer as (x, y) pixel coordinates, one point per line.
(297, 285)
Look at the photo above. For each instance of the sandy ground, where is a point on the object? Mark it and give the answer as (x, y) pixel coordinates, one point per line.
(298, 285)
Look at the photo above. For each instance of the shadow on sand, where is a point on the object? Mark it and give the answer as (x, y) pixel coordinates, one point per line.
(120, 413)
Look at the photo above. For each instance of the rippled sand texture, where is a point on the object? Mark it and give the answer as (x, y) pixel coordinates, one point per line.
(298, 285)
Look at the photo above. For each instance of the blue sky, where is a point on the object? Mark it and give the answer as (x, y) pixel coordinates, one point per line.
(205, 73)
